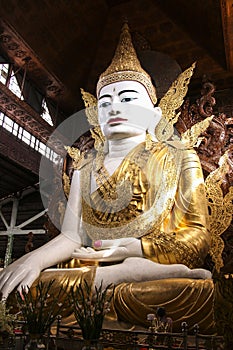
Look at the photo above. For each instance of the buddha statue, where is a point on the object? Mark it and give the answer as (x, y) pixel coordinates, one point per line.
(136, 204)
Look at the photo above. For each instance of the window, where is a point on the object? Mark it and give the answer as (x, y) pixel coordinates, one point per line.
(25, 136)
(12, 79)
(14, 86)
(8, 124)
(1, 118)
(4, 69)
(45, 114)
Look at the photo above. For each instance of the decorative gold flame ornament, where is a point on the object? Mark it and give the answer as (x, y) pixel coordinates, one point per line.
(91, 111)
(90, 103)
(170, 102)
(191, 136)
(174, 97)
(220, 208)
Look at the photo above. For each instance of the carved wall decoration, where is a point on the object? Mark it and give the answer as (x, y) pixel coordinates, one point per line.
(20, 112)
(23, 114)
(23, 56)
(216, 139)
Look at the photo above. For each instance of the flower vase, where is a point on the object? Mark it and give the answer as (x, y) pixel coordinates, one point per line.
(35, 342)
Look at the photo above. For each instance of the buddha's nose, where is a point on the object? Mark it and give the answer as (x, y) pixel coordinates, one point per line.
(114, 112)
(114, 108)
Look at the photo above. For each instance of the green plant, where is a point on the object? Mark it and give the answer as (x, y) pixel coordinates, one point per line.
(90, 307)
(6, 321)
(41, 305)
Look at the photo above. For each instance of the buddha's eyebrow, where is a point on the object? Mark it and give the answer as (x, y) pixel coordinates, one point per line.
(104, 96)
(123, 91)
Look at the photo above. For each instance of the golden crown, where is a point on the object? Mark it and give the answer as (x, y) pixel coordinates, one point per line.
(125, 65)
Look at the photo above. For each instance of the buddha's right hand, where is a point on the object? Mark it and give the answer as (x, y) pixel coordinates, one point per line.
(110, 250)
(21, 274)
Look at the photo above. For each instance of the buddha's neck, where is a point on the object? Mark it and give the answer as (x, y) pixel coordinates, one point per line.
(120, 148)
(117, 150)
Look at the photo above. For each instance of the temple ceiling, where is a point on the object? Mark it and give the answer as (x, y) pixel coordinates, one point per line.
(75, 40)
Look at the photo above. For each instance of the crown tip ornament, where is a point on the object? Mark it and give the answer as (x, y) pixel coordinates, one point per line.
(125, 65)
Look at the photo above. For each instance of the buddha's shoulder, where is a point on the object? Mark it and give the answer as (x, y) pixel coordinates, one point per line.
(175, 148)
(172, 145)
(177, 144)
(180, 150)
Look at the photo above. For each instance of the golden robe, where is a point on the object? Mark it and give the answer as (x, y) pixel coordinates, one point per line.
(156, 195)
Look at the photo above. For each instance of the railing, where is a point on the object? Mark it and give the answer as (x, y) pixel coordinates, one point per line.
(63, 337)
(68, 337)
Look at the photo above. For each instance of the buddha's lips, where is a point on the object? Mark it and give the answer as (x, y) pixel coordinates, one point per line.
(116, 120)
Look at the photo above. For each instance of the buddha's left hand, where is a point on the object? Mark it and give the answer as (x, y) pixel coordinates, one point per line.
(110, 250)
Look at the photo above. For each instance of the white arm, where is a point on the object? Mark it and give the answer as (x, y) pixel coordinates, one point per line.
(24, 271)
(72, 219)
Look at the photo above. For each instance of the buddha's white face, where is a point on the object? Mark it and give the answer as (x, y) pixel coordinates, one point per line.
(125, 110)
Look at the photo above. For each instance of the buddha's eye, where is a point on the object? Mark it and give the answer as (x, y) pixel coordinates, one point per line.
(128, 99)
(104, 104)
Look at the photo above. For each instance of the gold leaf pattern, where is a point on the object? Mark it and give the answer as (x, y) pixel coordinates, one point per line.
(97, 210)
(191, 136)
(220, 207)
(126, 66)
(170, 102)
(66, 184)
(76, 155)
(90, 103)
(98, 136)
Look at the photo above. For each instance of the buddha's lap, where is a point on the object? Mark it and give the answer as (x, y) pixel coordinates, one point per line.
(189, 300)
